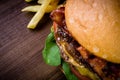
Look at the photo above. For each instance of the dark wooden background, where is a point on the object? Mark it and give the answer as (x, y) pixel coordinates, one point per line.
(21, 48)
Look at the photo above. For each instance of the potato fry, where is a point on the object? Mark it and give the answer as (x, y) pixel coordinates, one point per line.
(44, 6)
(37, 17)
(53, 5)
(41, 1)
(54, 2)
(34, 8)
(28, 0)
(50, 8)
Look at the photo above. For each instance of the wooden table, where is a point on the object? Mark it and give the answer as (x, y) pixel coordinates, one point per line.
(21, 48)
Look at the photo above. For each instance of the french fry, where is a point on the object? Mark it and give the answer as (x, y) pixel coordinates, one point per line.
(53, 5)
(54, 2)
(37, 17)
(28, 0)
(44, 6)
(50, 8)
(41, 1)
(34, 8)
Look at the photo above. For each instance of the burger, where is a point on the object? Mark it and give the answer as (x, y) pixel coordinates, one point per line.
(87, 33)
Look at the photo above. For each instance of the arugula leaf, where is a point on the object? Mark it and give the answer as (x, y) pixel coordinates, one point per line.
(51, 55)
(51, 52)
(69, 75)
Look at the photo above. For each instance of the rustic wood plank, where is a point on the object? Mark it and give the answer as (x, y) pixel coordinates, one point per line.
(20, 48)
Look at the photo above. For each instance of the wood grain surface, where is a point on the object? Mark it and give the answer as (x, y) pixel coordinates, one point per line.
(21, 48)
